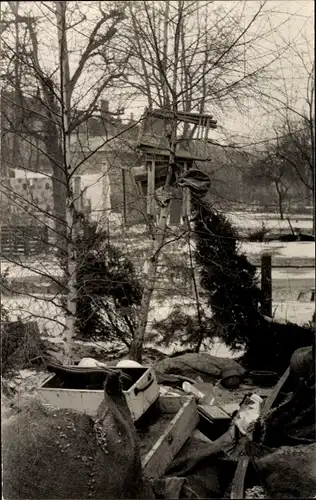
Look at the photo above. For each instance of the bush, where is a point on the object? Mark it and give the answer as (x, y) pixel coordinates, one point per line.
(108, 289)
(227, 277)
(231, 287)
(185, 329)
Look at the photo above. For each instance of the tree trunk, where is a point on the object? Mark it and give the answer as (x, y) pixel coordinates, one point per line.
(281, 207)
(136, 350)
(65, 173)
(280, 199)
(171, 132)
(54, 150)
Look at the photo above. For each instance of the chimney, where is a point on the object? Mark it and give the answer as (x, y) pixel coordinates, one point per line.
(132, 117)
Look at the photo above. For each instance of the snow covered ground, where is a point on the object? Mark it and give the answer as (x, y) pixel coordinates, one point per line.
(45, 310)
(295, 249)
(50, 319)
(287, 283)
(243, 220)
(297, 312)
(44, 269)
(36, 267)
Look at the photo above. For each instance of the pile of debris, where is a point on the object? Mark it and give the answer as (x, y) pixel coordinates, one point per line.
(190, 441)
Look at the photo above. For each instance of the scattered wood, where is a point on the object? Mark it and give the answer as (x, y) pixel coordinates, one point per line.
(193, 118)
(184, 418)
(238, 486)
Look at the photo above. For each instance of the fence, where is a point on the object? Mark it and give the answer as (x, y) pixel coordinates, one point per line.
(22, 241)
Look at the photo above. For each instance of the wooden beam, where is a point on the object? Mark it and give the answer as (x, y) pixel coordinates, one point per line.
(183, 116)
(181, 154)
(151, 188)
(269, 402)
(124, 196)
(238, 486)
(185, 419)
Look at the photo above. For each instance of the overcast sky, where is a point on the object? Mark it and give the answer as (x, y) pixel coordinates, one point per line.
(294, 23)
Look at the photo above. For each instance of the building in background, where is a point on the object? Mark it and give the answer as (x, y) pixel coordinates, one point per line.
(105, 177)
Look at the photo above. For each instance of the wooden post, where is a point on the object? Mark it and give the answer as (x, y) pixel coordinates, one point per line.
(151, 203)
(124, 197)
(266, 285)
(17, 88)
(78, 202)
(151, 188)
(106, 196)
(186, 200)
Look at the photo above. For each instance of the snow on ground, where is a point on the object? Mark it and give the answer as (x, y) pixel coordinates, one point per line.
(295, 249)
(216, 348)
(38, 268)
(41, 309)
(290, 250)
(291, 310)
(299, 249)
(290, 274)
(269, 215)
(297, 312)
(51, 321)
(270, 221)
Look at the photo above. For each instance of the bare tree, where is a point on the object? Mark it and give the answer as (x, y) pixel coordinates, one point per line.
(270, 167)
(53, 101)
(194, 57)
(295, 120)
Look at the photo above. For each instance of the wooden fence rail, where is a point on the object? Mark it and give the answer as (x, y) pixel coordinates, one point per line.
(23, 241)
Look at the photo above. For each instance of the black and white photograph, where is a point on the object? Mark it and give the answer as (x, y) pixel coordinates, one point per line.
(157, 249)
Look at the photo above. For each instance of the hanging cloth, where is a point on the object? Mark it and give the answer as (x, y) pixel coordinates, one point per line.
(196, 180)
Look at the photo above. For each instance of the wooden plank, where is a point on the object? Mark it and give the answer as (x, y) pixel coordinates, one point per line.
(238, 486)
(83, 401)
(156, 462)
(176, 206)
(213, 412)
(180, 153)
(193, 118)
(170, 114)
(274, 393)
(186, 196)
(151, 188)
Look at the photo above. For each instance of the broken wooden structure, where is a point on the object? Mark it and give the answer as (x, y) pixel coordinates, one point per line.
(154, 142)
(163, 418)
(238, 485)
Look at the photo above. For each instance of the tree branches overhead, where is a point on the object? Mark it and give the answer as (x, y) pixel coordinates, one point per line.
(202, 53)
